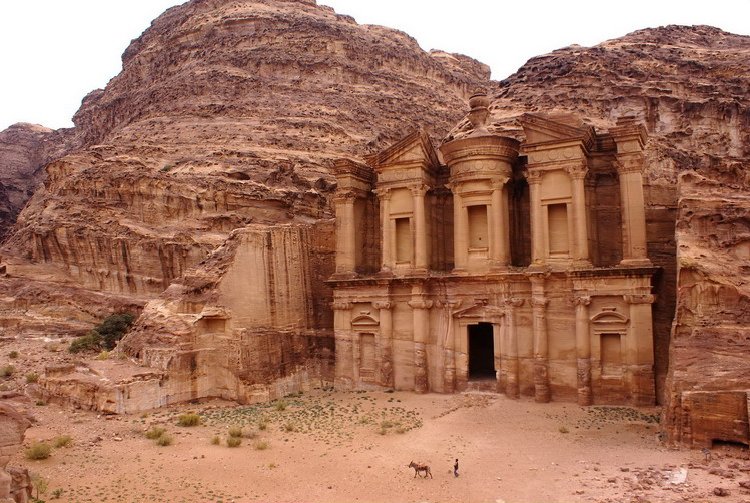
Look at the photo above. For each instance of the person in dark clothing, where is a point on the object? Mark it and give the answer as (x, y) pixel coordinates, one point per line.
(455, 469)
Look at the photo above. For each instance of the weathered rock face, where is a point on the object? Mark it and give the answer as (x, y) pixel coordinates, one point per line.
(14, 483)
(687, 85)
(24, 150)
(226, 114)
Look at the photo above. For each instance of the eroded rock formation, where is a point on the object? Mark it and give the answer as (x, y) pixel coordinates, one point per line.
(15, 485)
(226, 117)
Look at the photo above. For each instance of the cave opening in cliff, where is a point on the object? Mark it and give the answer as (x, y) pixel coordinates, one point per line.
(481, 351)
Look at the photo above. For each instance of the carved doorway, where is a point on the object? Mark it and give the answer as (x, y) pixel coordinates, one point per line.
(481, 351)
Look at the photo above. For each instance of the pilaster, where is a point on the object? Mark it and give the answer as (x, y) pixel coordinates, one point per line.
(342, 319)
(421, 252)
(512, 387)
(640, 350)
(577, 175)
(421, 316)
(499, 225)
(345, 229)
(541, 344)
(534, 179)
(386, 343)
(583, 349)
(386, 230)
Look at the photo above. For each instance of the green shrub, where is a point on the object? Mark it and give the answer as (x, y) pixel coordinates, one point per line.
(105, 335)
(189, 419)
(32, 377)
(90, 342)
(261, 445)
(13, 355)
(164, 440)
(155, 432)
(215, 440)
(62, 441)
(233, 441)
(38, 450)
(235, 432)
(7, 371)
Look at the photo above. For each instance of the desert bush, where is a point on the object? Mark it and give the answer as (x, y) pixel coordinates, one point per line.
(189, 419)
(235, 432)
(262, 425)
(7, 371)
(215, 440)
(105, 335)
(32, 377)
(164, 440)
(261, 445)
(62, 441)
(155, 432)
(13, 355)
(281, 405)
(289, 427)
(233, 441)
(38, 450)
(563, 429)
(104, 355)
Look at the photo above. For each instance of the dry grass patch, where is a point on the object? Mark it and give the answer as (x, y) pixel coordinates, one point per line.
(38, 450)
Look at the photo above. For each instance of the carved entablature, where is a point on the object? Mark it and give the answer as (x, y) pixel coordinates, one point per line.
(553, 140)
(353, 176)
(481, 312)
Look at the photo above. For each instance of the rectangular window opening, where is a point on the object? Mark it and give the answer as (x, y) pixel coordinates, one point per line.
(403, 240)
(478, 228)
(557, 220)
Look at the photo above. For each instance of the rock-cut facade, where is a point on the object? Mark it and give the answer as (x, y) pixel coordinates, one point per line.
(515, 263)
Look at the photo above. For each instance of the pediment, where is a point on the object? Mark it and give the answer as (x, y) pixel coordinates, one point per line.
(415, 148)
(555, 128)
(364, 320)
(481, 312)
(609, 316)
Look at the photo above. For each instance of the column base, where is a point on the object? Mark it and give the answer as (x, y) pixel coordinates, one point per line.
(344, 275)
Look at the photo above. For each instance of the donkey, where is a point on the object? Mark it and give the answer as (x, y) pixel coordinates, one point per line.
(420, 468)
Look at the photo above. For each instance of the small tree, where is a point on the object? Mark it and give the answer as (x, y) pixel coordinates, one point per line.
(105, 335)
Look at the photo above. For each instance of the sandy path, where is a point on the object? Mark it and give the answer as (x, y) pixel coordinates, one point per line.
(514, 451)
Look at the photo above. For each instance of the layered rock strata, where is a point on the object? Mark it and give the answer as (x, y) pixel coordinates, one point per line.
(15, 484)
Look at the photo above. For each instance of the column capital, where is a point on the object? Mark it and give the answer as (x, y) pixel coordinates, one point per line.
(533, 176)
(639, 298)
(539, 301)
(581, 300)
(348, 196)
(577, 171)
(387, 305)
(418, 189)
(420, 304)
(341, 305)
(629, 163)
(513, 301)
(499, 182)
(383, 193)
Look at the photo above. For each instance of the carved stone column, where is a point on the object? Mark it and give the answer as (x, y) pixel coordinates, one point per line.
(449, 348)
(342, 319)
(583, 349)
(534, 178)
(345, 239)
(512, 387)
(384, 195)
(640, 350)
(421, 316)
(386, 343)
(541, 346)
(577, 177)
(500, 228)
(460, 230)
(629, 168)
(421, 252)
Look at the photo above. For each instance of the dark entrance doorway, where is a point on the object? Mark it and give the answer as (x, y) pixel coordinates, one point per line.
(481, 351)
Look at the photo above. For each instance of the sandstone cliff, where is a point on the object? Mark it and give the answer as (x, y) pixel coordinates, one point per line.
(24, 151)
(689, 86)
(223, 123)
(15, 484)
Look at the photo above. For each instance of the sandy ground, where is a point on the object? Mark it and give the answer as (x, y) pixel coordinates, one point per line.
(327, 446)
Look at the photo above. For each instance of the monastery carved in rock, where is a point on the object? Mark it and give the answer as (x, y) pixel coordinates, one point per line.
(493, 263)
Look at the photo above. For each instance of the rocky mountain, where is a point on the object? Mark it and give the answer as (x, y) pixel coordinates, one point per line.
(203, 187)
(225, 114)
(689, 87)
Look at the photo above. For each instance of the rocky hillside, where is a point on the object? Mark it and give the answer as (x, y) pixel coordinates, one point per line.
(225, 114)
(24, 151)
(690, 87)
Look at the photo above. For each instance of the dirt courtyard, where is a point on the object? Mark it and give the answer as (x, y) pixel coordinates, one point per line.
(328, 446)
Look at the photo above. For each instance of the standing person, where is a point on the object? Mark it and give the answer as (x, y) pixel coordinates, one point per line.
(455, 469)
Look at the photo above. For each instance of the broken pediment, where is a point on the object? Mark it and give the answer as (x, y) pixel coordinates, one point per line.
(555, 128)
(609, 316)
(414, 150)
